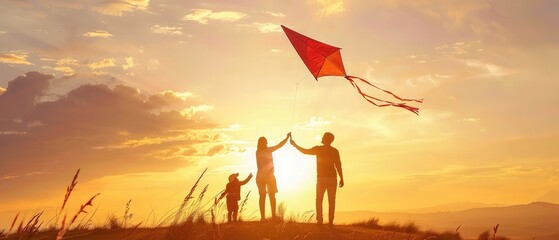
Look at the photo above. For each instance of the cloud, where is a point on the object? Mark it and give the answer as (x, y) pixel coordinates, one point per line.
(64, 69)
(78, 128)
(428, 78)
(216, 150)
(267, 27)
(2, 32)
(108, 62)
(190, 111)
(153, 64)
(204, 15)
(313, 123)
(63, 65)
(471, 119)
(67, 61)
(19, 97)
(166, 30)
(330, 7)
(177, 95)
(98, 34)
(129, 63)
(276, 14)
(15, 57)
(118, 7)
(490, 68)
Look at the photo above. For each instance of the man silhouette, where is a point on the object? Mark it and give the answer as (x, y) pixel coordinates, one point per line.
(327, 164)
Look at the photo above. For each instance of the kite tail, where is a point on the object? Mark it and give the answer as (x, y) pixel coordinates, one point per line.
(383, 103)
(386, 91)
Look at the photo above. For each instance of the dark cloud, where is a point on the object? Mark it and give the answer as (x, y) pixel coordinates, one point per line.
(216, 150)
(18, 100)
(100, 129)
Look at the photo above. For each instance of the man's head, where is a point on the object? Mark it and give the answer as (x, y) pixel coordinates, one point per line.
(328, 138)
(262, 143)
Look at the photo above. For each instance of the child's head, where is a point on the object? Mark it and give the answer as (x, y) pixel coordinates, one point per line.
(233, 177)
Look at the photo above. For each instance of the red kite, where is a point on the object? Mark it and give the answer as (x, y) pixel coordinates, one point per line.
(325, 60)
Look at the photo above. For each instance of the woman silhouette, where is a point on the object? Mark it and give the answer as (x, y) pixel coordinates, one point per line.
(265, 179)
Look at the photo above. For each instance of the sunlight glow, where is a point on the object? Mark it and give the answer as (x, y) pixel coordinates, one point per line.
(294, 170)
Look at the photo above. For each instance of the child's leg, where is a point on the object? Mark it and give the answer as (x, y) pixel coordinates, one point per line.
(229, 213)
(235, 215)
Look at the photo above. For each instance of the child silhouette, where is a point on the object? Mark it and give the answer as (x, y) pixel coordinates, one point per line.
(233, 193)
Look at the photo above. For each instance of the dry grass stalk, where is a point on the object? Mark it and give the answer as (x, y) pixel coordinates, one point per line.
(62, 231)
(242, 207)
(13, 223)
(203, 193)
(64, 228)
(32, 224)
(188, 197)
(69, 189)
(20, 228)
(127, 214)
(495, 231)
(85, 226)
(217, 234)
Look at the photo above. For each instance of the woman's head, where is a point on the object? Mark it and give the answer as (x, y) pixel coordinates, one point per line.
(262, 143)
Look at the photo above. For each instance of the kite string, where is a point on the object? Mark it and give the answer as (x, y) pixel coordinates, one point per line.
(293, 123)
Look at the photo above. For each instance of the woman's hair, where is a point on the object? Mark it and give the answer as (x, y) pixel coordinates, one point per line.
(262, 144)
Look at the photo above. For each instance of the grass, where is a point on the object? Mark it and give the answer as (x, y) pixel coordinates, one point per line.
(200, 218)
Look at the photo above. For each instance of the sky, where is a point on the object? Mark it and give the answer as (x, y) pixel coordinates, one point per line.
(142, 96)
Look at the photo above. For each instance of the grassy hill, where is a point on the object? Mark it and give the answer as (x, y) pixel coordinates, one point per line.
(244, 231)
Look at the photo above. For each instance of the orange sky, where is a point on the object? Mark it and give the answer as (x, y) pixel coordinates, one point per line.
(143, 95)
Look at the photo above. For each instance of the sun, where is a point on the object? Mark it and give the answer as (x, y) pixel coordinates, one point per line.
(293, 170)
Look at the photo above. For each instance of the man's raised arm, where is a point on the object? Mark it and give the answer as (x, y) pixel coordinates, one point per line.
(302, 150)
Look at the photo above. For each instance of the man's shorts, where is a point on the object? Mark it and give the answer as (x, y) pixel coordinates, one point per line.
(232, 205)
(266, 184)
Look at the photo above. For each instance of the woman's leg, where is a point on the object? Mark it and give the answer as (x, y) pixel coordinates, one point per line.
(262, 204)
(273, 204)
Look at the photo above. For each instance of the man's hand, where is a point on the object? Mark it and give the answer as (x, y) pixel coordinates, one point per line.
(341, 183)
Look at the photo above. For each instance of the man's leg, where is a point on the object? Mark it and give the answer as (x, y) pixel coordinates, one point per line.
(320, 188)
(331, 188)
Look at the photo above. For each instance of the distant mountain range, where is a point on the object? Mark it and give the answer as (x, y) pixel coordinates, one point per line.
(519, 222)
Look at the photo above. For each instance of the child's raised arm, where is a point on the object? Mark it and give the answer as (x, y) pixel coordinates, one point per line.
(247, 179)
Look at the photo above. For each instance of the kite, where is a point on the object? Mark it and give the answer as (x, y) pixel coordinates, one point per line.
(325, 60)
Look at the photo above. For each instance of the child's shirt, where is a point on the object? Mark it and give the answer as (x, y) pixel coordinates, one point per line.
(233, 189)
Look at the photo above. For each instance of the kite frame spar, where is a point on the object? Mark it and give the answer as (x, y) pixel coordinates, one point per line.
(322, 59)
